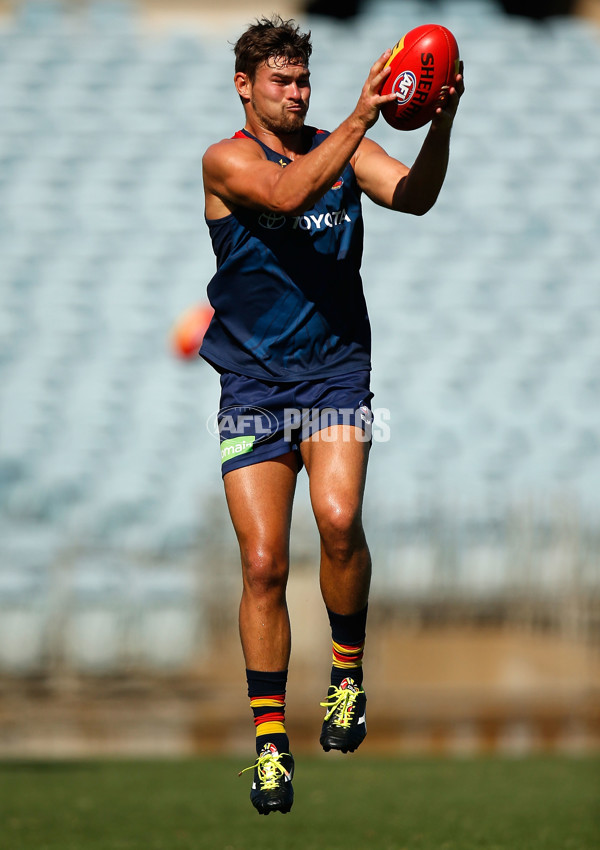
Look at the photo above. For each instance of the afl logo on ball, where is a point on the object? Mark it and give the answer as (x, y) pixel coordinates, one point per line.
(271, 221)
(404, 86)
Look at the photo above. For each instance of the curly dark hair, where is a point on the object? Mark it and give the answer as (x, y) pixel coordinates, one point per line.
(271, 38)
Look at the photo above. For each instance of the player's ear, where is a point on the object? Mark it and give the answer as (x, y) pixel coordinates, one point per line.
(242, 85)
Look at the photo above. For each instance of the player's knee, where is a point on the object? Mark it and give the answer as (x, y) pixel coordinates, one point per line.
(341, 531)
(265, 572)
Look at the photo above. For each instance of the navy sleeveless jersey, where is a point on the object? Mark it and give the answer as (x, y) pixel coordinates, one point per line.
(287, 293)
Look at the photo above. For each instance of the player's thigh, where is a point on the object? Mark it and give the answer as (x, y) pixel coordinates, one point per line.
(336, 460)
(260, 498)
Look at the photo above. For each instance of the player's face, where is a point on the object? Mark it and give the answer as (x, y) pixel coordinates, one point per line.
(280, 94)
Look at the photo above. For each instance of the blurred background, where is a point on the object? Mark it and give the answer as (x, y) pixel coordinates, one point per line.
(119, 576)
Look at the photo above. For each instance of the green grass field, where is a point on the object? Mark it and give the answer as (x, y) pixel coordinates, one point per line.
(342, 803)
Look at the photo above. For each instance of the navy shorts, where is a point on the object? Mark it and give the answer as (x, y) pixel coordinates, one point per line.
(262, 420)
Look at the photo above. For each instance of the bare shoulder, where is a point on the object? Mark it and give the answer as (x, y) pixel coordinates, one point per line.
(233, 172)
(230, 152)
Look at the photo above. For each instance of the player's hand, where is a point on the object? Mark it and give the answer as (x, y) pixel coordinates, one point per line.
(370, 101)
(449, 100)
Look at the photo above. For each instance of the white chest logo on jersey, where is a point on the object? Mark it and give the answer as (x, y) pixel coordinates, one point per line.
(318, 222)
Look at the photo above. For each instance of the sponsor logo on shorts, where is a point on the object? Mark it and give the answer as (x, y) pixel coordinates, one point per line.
(236, 446)
(366, 414)
(404, 86)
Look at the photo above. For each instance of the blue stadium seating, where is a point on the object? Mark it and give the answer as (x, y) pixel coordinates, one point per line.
(485, 313)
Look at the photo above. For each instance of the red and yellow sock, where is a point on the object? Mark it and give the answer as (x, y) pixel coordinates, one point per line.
(348, 632)
(269, 715)
(267, 701)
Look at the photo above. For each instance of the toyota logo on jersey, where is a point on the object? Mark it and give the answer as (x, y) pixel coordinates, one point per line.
(271, 221)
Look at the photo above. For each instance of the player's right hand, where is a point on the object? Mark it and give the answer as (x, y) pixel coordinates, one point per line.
(370, 101)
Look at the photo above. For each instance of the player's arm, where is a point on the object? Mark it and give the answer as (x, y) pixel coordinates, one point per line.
(238, 173)
(390, 183)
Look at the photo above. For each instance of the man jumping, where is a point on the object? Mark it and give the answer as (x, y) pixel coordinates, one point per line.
(290, 338)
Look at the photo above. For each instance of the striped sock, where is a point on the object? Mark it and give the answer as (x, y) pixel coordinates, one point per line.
(267, 701)
(348, 632)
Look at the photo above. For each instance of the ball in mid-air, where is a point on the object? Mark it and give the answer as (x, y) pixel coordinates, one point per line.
(424, 61)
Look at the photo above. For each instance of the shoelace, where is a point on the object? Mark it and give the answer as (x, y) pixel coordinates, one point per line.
(340, 701)
(270, 770)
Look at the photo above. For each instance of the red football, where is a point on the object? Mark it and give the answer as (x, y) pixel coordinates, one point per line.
(423, 61)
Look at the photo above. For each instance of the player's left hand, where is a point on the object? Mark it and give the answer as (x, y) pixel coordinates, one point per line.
(449, 100)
